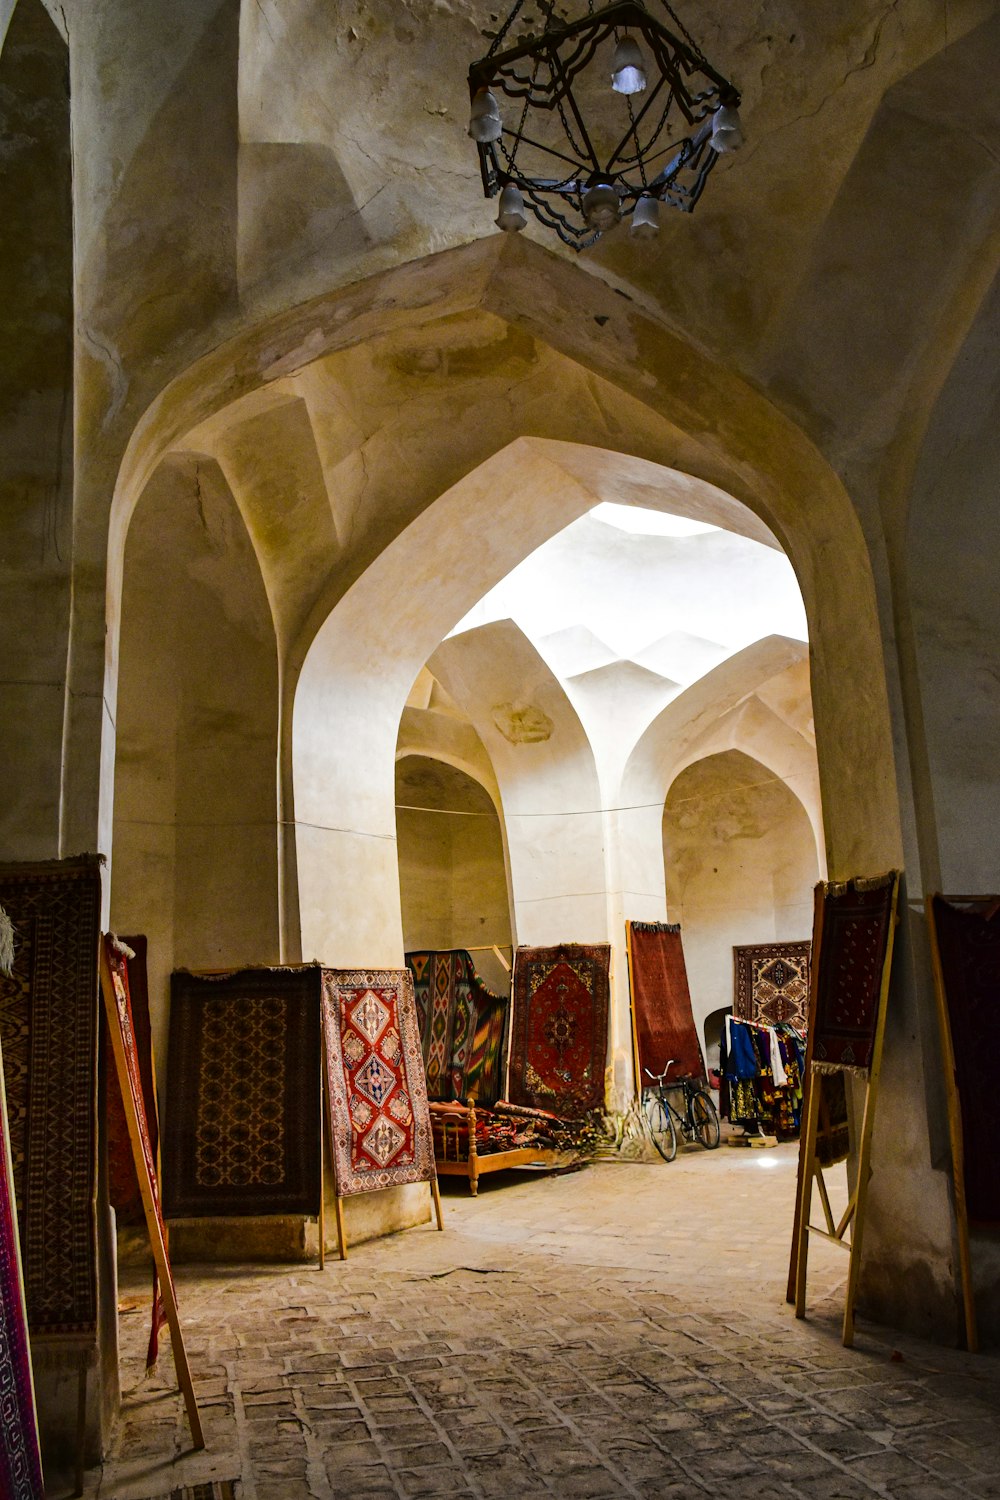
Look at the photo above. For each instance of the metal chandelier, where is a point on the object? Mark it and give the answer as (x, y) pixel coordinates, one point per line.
(571, 157)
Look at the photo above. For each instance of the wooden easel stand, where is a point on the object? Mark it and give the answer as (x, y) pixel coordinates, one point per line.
(810, 1170)
(156, 1240)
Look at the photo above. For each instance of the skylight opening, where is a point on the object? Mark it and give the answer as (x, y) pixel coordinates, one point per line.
(641, 522)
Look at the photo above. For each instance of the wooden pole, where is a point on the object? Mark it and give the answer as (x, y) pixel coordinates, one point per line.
(150, 1203)
(630, 961)
(436, 1199)
(811, 1084)
(868, 1125)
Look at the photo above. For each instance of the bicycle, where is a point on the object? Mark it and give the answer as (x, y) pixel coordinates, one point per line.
(699, 1121)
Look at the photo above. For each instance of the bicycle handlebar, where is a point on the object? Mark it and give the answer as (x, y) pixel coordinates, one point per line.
(659, 1077)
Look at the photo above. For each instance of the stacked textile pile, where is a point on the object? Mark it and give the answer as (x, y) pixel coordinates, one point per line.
(761, 1072)
(463, 1027)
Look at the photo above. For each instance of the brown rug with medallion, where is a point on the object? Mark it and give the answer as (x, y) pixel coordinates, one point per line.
(559, 1026)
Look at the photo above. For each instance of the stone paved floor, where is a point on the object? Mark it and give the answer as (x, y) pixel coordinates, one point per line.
(616, 1332)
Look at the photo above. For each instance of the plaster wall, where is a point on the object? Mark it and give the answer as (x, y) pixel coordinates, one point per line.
(741, 864)
(196, 774)
(452, 876)
(36, 429)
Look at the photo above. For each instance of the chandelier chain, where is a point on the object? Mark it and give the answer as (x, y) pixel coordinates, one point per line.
(683, 30)
(501, 34)
(638, 149)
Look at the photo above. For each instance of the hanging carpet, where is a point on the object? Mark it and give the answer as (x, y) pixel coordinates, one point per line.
(379, 1121)
(559, 1025)
(480, 1076)
(20, 1463)
(438, 979)
(968, 941)
(242, 1133)
(661, 1002)
(123, 1185)
(771, 983)
(454, 1004)
(48, 1030)
(854, 935)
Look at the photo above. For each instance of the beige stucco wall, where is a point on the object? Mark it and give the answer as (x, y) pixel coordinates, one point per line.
(452, 877)
(740, 862)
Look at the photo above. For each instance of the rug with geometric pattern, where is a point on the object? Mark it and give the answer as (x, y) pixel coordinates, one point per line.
(20, 1462)
(48, 1028)
(854, 930)
(377, 1095)
(242, 1132)
(771, 983)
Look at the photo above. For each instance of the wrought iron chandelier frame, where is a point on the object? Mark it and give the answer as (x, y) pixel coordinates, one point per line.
(540, 71)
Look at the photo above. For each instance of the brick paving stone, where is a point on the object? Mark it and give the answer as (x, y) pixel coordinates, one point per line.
(607, 1361)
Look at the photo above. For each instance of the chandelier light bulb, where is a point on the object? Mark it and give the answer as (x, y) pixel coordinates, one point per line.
(485, 124)
(645, 223)
(601, 207)
(628, 72)
(511, 217)
(727, 133)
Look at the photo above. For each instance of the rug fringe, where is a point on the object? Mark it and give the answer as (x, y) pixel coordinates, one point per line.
(6, 943)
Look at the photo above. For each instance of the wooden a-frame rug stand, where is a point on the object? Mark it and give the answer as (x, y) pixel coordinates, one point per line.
(114, 986)
(847, 1233)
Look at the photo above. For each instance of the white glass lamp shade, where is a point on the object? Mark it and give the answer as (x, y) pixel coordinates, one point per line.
(628, 72)
(727, 133)
(645, 223)
(601, 207)
(511, 216)
(484, 121)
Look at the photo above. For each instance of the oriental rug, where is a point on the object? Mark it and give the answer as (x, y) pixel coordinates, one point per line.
(379, 1121)
(242, 1134)
(856, 922)
(49, 1032)
(968, 943)
(20, 1463)
(559, 1025)
(123, 1185)
(661, 1002)
(483, 1078)
(771, 983)
(437, 977)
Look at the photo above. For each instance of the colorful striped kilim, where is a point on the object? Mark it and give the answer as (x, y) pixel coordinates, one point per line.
(436, 980)
(482, 1075)
(462, 1026)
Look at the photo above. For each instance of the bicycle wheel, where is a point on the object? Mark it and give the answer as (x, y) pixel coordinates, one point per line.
(706, 1119)
(661, 1126)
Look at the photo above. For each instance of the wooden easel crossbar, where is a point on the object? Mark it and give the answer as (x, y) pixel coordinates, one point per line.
(847, 1232)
